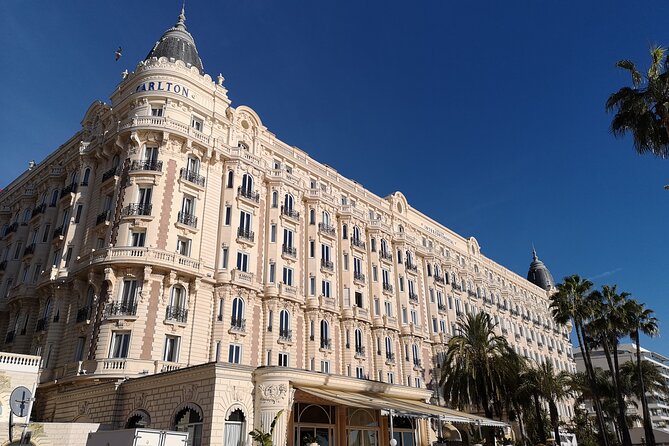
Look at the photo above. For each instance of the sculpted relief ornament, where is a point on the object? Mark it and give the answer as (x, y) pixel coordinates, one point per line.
(273, 393)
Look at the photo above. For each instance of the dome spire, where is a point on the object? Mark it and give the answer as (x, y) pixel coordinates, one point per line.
(539, 274)
(178, 44)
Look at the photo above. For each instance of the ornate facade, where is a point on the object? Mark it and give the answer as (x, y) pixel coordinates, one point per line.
(176, 244)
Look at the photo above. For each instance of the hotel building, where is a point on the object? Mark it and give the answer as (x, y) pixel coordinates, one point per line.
(176, 265)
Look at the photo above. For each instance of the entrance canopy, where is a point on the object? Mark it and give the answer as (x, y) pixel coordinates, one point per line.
(400, 406)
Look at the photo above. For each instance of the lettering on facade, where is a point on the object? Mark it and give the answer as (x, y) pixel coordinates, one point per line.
(163, 86)
(437, 233)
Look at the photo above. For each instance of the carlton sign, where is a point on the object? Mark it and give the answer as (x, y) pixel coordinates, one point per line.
(163, 86)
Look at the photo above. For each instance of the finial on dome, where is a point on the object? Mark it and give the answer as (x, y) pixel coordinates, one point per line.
(182, 16)
(534, 253)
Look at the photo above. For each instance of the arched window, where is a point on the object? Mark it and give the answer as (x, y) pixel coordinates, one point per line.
(356, 233)
(235, 429)
(230, 180)
(288, 203)
(138, 418)
(358, 341)
(389, 347)
(247, 185)
(401, 228)
(415, 354)
(284, 324)
(275, 199)
(26, 215)
(325, 334)
(43, 199)
(436, 270)
(189, 419)
(312, 216)
(344, 231)
(409, 258)
(326, 218)
(237, 312)
(178, 297)
(87, 177)
(384, 246)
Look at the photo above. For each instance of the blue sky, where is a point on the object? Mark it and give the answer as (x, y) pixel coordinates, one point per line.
(489, 116)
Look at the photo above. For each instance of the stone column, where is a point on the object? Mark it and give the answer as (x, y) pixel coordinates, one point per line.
(271, 396)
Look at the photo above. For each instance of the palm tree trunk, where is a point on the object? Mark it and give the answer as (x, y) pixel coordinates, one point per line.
(539, 420)
(521, 426)
(622, 408)
(587, 360)
(647, 423)
(555, 421)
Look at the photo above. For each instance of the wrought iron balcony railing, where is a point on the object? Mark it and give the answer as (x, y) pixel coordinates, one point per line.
(38, 210)
(248, 194)
(358, 243)
(410, 266)
(238, 324)
(326, 344)
(103, 217)
(137, 209)
(192, 177)
(177, 314)
(150, 165)
(358, 276)
(187, 219)
(83, 314)
(327, 229)
(30, 249)
(289, 250)
(385, 255)
(290, 212)
(245, 234)
(387, 287)
(68, 189)
(286, 335)
(111, 173)
(327, 265)
(122, 309)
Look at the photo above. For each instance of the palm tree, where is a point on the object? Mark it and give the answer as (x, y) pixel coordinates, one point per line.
(476, 362)
(265, 438)
(531, 388)
(554, 387)
(610, 323)
(641, 320)
(643, 108)
(569, 303)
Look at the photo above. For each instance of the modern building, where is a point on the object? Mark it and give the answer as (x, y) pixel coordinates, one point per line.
(176, 265)
(658, 402)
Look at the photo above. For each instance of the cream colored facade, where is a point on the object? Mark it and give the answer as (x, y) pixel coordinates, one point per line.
(175, 230)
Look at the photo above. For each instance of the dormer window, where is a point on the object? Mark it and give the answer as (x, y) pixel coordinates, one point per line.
(157, 110)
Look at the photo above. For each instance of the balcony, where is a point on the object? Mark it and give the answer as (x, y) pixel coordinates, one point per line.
(83, 314)
(30, 249)
(390, 358)
(41, 325)
(139, 209)
(326, 344)
(413, 297)
(357, 243)
(111, 173)
(11, 228)
(456, 286)
(67, 190)
(144, 256)
(58, 233)
(290, 213)
(442, 308)
(245, 234)
(10, 336)
(327, 265)
(359, 351)
(286, 336)
(418, 365)
(146, 165)
(103, 217)
(238, 325)
(411, 267)
(326, 229)
(120, 309)
(248, 194)
(358, 277)
(289, 250)
(385, 255)
(38, 210)
(192, 177)
(176, 314)
(439, 279)
(388, 288)
(187, 219)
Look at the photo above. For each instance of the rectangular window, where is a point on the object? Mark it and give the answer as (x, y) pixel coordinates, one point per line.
(224, 258)
(325, 253)
(45, 234)
(144, 198)
(375, 273)
(79, 351)
(128, 293)
(245, 223)
(373, 245)
(312, 286)
(345, 262)
(288, 276)
(414, 317)
(325, 288)
(325, 366)
(377, 306)
(197, 123)
(283, 359)
(243, 262)
(360, 372)
(37, 272)
(391, 378)
(99, 243)
(120, 344)
(77, 213)
(228, 216)
(272, 233)
(358, 299)
(183, 246)
(312, 249)
(137, 238)
(401, 283)
(288, 238)
(17, 251)
(272, 273)
(404, 315)
(235, 353)
(68, 256)
(357, 265)
(389, 308)
(171, 353)
(157, 111)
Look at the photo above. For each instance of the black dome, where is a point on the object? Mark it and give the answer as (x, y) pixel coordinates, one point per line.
(539, 274)
(178, 44)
